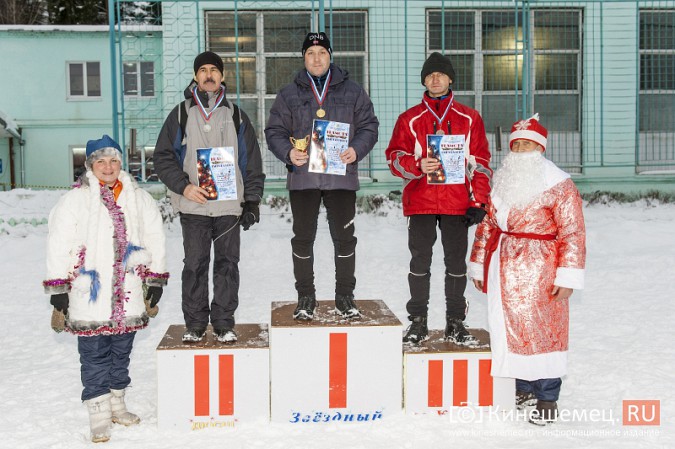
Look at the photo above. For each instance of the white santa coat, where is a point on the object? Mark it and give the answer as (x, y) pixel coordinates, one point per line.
(537, 363)
(81, 230)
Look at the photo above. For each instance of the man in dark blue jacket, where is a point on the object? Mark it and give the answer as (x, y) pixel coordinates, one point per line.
(322, 91)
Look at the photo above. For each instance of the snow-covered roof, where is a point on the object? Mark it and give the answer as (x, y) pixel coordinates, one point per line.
(79, 28)
(8, 127)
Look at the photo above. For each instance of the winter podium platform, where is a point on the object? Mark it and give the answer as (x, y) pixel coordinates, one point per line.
(440, 375)
(327, 370)
(210, 384)
(335, 370)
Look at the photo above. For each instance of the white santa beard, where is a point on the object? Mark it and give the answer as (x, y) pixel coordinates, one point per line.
(520, 178)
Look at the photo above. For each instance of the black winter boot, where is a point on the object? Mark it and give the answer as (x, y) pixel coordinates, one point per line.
(346, 307)
(193, 334)
(455, 332)
(305, 309)
(417, 332)
(525, 399)
(544, 413)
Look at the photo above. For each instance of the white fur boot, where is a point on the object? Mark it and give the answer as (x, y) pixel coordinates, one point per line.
(100, 417)
(120, 415)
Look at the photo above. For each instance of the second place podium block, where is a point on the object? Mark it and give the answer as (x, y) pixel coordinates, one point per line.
(212, 384)
(333, 370)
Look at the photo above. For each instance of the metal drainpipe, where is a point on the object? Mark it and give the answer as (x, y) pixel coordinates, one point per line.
(23, 162)
(17, 135)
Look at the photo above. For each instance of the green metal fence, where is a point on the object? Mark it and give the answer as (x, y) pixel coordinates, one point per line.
(600, 73)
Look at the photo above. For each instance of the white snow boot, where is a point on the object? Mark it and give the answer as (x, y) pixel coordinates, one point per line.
(120, 415)
(100, 417)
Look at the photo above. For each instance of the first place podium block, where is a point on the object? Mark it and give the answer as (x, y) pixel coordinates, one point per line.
(334, 370)
(440, 375)
(211, 384)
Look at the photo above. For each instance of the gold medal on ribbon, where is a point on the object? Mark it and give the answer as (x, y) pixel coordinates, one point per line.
(440, 132)
(320, 97)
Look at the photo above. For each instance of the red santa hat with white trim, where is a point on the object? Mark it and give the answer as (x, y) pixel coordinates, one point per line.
(529, 129)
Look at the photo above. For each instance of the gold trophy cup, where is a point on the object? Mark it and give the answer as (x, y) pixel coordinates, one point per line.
(300, 144)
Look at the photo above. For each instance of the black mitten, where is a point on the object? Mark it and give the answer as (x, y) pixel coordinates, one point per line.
(474, 215)
(250, 215)
(153, 295)
(60, 302)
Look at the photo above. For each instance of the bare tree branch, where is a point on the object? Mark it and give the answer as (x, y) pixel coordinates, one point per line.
(22, 12)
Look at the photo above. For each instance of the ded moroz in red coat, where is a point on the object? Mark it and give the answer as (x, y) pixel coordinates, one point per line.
(409, 143)
(529, 329)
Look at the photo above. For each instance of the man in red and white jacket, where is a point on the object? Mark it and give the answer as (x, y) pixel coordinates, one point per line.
(453, 207)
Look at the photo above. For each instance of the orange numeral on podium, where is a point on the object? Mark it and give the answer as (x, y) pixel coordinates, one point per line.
(337, 371)
(203, 384)
(460, 383)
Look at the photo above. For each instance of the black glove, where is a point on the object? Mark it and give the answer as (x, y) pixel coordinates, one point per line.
(60, 302)
(474, 215)
(153, 295)
(250, 215)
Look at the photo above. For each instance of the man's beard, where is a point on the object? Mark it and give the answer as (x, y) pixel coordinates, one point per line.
(520, 178)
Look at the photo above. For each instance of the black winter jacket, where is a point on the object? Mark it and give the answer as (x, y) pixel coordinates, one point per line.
(294, 111)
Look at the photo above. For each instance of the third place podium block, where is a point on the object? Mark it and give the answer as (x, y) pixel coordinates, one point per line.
(440, 375)
(333, 370)
(211, 384)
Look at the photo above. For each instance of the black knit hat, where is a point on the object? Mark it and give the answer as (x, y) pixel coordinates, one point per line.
(316, 39)
(208, 57)
(436, 62)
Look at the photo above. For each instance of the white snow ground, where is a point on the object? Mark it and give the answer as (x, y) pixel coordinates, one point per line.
(621, 338)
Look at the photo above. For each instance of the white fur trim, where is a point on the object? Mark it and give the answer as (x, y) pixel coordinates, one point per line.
(535, 366)
(95, 206)
(553, 175)
(569, 278)
(475, 271)
(528, 135)
(128, 197)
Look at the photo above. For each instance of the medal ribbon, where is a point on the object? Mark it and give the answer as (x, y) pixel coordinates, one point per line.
(207, 115)
(320, 98)
(440, 119)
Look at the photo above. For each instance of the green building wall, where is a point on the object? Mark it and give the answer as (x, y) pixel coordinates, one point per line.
(34, 87)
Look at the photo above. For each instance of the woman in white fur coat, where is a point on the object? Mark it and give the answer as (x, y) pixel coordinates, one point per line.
(105, 261)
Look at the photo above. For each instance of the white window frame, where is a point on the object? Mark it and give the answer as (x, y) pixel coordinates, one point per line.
(85, 96)
(141, 79)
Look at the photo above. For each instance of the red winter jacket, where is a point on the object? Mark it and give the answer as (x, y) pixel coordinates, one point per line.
(408, 145)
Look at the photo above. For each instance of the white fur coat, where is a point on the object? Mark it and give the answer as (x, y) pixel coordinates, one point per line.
(101, 255)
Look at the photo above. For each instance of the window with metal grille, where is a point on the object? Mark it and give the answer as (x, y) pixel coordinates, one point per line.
(656, 107)
(84, 80)
(139, 78)
(264, 54)
(657, 70)
(487, 52)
